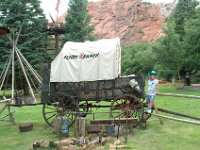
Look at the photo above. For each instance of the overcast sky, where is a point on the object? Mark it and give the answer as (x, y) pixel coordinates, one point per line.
(49, 6)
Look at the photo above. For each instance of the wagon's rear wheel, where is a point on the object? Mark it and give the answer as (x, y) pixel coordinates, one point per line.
(60, 104)
(146, 115)
(127, 106)
(84, 107)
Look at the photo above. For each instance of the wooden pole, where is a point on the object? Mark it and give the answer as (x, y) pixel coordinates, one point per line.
(12, 120)
(178, 119)
(156, 110)
(179, 95)
(80, 127)
(57, 43)
(3, 108)
(10, 114)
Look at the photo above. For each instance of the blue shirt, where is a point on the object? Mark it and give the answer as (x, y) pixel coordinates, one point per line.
(152, 87)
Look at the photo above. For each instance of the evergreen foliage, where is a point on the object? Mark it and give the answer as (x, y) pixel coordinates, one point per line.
(78, 27)
(32, 41)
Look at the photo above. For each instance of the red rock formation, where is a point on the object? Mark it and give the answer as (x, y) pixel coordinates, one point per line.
(131, 20)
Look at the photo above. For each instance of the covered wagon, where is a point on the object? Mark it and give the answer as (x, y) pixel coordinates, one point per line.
(84, 74)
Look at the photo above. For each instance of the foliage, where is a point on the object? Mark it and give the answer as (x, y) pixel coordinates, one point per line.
(137, 59)
(192, 42)
(32, 41)
(185, 9)
(185, 17)
(170, 135)
(169, 51)
(175, 54)
(78, 27)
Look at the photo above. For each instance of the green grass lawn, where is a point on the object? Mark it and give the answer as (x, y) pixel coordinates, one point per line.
(172, 89)
(170, 136)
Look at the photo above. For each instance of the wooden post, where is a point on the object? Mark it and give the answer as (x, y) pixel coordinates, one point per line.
(80, 127)
(156, 110)
(12, 120)
(10, 114)
(58, 127)
(57, 43)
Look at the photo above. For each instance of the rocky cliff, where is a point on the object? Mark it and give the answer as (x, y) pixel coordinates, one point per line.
(131, 20)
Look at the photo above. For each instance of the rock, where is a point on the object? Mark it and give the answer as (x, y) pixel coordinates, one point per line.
(131, 20)
(73, 147)
(84, 147)
(127, 19)
(91, 147)
(120, 146)
(100, 148)
(64, 148)
(40, 144)
(66, 142)
(117, 142)
(112, 146)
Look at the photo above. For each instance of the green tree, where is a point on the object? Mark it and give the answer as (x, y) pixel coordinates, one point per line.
(185, 12)
(78, 26)
(137, 59)
(192, 42)
(31, 41)
(185, 9)
(169, 51)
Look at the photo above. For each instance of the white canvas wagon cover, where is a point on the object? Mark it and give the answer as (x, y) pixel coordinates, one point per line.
(88, 61)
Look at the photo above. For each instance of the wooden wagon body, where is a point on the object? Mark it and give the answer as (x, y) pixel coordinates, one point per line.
(89, 72)
(105, 90)
(81, 96)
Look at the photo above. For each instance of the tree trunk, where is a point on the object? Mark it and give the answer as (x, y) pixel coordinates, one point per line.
(179, 77)
(25, 87)
(57, 43)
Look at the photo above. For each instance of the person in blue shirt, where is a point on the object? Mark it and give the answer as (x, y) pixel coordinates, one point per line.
(152, 90)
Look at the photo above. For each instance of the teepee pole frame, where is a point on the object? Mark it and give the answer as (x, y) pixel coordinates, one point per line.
(24, 64)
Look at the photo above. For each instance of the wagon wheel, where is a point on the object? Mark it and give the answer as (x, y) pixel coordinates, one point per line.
(60, 104)
(84, 107)
(127, 106)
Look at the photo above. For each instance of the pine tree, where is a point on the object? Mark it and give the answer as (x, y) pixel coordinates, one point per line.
(185, 9)
(192, 42)
(31, 41)
(185, 12)
(78, 26)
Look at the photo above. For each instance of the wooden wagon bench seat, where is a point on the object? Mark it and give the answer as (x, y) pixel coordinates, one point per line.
(115, 121)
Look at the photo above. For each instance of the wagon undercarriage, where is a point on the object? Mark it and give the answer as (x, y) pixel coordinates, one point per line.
(77, 99)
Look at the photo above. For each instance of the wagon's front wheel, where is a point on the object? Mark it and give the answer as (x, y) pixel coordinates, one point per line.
(127, 106)
(60, 105)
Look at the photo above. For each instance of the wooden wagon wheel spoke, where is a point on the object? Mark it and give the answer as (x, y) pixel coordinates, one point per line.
(130, 107)
(51, 116)
(50, 112)
(70, 117)
(119, 115)
(84, 107)
(52, 108)
(63, 104)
